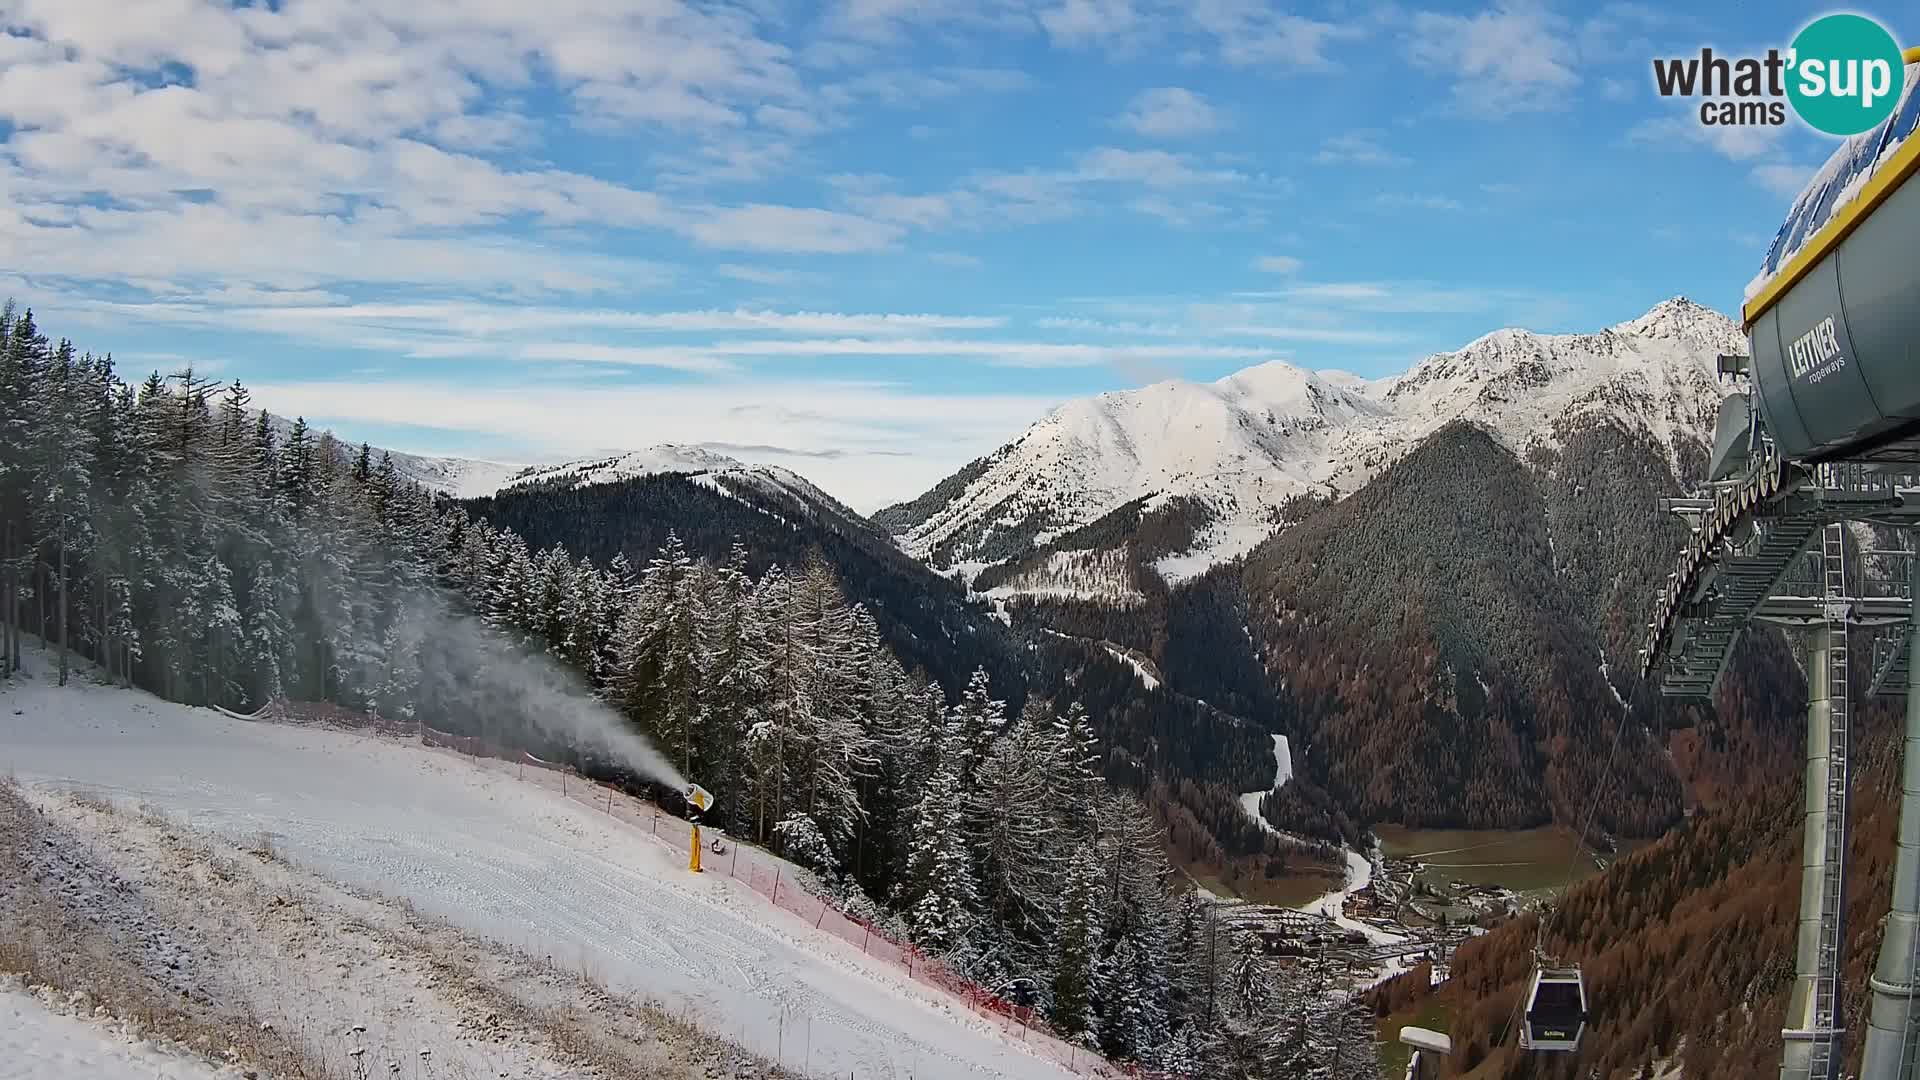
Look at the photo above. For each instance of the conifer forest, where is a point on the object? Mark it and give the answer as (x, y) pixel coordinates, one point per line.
(165, 533)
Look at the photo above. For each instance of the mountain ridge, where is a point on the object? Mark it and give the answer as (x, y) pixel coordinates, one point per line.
(1244, 445)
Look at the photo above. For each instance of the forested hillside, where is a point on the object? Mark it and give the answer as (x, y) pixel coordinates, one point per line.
(1440, 669)
(923, 617)
(1688, 945)
(1188, 761)
(159, 534)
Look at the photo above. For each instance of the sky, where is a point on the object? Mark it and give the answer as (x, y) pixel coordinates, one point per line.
(866, 239)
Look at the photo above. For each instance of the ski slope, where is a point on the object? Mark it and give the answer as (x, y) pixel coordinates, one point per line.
(513, 862)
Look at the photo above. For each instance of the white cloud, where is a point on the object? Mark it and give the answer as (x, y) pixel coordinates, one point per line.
(1093, 22)
(919, 211)
(1512, 57)
(1277, 264)
(1406, 200)
(1356, 148)
(1616, 89)
(1154, 168)
(310, 312)
(323, 142)
(1404, 297)
(1743, 143)
(1782, 179)
(1098, 326)
(1170, 112)
(1251, 33)
(957, 260)
(665, 357)
(788, 228)
(758, 275)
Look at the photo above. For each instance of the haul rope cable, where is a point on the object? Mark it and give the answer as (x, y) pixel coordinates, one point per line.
(1593, 808)
(1540, 931)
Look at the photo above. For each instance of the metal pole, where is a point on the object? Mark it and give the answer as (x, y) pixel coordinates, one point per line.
(1891, 1053)
(1796, 1062)
(1814, 1048)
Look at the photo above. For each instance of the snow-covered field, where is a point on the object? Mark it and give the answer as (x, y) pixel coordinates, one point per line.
(41, 1042)
(512, 862)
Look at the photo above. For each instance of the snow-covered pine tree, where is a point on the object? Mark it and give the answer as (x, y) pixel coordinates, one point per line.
(1072, 776)
(827, 745)
(23, 403)
(980, 717)
(1019, 849)
(733, 666)
(618, 595)
(267, 634)
(1076, 943)
(62, 488)
(660, 689)
(220, 646)
(397, 694)
(1249, 978)
(939, 892)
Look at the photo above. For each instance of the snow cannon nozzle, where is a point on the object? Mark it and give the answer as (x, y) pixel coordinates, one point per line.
(699, 799)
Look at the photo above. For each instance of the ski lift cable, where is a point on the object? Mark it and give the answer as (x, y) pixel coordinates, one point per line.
(1593, 810)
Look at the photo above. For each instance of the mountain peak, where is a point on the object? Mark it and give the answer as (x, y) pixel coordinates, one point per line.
(1680, 317)
(664, 458)
(1240, 448)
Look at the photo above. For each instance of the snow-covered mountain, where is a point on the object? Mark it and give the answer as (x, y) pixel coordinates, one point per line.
(1238, 448)
(716, 471)
(462, 478)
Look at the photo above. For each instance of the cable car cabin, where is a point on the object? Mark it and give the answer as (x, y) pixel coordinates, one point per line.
(1556, 1014)
(1833, 319)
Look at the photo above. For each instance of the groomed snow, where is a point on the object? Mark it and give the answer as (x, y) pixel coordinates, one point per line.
(38, 1043)
(510, 861)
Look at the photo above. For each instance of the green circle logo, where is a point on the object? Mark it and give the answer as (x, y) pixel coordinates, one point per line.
(1846, 75)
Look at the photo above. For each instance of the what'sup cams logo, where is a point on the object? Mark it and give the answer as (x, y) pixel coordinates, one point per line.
(1842, 75)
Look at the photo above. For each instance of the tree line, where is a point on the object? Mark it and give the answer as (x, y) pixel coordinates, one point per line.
(189, 544)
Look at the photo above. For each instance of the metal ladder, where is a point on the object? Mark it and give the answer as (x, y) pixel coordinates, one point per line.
(1826, 1006)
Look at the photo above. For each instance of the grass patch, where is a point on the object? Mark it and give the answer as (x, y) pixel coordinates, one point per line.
(49, 946)
(1434, 1014)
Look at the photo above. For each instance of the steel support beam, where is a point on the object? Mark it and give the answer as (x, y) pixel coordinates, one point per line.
(1893, 1035)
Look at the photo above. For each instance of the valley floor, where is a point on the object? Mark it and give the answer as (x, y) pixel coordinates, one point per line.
(350, 893)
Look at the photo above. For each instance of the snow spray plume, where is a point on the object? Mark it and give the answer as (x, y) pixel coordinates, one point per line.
(470, 676)
(475, 673)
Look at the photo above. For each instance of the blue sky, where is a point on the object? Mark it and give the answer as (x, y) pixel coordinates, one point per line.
(867, 239)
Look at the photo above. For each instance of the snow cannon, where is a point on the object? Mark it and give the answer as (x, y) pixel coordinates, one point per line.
(1833, 318)
(699, 801)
